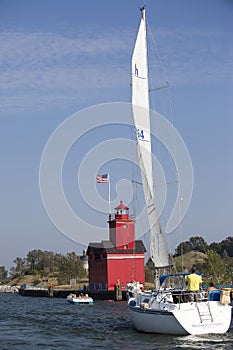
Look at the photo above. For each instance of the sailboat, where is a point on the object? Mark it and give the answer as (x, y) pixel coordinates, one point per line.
(167, 309)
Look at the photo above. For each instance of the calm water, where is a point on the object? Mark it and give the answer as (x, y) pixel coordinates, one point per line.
(43, 323)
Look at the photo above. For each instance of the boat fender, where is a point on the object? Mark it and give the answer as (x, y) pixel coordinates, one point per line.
(132, 303)
(144, 306)
(225, 296)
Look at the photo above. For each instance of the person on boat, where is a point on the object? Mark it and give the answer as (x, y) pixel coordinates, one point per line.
(194, 282)
(211, 287)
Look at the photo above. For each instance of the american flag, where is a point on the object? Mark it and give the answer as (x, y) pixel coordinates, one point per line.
(102, 178)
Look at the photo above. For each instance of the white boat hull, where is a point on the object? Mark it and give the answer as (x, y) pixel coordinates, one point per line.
(182, 319)
(79, 300)
(150, 321)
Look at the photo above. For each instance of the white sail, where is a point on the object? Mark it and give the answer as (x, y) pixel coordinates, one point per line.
(141, 112)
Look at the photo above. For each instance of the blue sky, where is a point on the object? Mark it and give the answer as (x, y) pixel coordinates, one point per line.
(58, 57)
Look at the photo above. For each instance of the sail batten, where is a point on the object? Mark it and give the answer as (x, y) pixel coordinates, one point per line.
(141, 113)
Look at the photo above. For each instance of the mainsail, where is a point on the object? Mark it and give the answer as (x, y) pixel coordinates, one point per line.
(141, 113)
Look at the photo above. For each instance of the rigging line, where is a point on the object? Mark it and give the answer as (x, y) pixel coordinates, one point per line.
(213, 269)
(166, 79)
(157, 52)
(137, 182)
(156, 64)
(135, 202)
(157, 185)
(161, 87)
(134, 170)
(167, 183)
(170, 108)
(158, 144)
(211, 264)
(181, 238)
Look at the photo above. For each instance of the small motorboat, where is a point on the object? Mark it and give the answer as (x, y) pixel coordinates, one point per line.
(81, 299)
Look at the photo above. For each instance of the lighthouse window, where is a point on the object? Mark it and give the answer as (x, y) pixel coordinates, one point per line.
(125, 226)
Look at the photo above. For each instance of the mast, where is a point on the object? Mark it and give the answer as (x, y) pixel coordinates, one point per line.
(141, 113)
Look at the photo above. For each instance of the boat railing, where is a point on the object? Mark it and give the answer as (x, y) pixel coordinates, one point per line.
(184, 296)
(170, 296)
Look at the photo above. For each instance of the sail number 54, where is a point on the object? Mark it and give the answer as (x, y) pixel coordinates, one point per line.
(140, 134)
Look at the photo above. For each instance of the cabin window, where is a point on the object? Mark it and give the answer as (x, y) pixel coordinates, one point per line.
(125, 247)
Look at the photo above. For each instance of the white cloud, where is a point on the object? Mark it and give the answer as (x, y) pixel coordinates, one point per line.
(44, 63)
(40, 67)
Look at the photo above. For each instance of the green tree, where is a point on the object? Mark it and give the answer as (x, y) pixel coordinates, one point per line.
(225, 245)
(20, 269)
(214, 267)
(229, 246)
(195, 243)
(42, 262)
(3, 274)
(183, 248)
(33, 258)
(228, 268)
(70, 267)
(199, 244)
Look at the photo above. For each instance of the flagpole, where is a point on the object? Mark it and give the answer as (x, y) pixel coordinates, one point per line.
(109, 198)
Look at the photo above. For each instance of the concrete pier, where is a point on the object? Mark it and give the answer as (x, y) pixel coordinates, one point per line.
(63, 293)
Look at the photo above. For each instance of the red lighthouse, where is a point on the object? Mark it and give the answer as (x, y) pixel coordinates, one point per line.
(119, 259)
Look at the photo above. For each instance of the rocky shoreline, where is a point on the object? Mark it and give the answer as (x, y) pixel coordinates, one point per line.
(9, 289)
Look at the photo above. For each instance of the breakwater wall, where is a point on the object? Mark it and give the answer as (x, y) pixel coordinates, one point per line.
(9, 289)
(63, 293)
